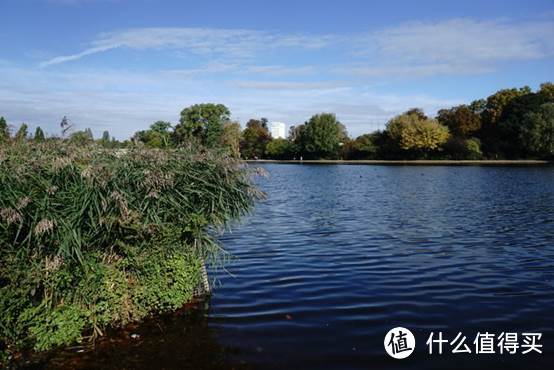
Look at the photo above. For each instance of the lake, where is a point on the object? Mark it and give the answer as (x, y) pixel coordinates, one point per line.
(337, 255)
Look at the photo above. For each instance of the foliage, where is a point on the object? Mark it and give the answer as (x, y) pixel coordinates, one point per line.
(92, 237)
(321, 136)
(84, 137)
(4, 130)
(22, 133)
(280, 149)
(202, 123)
(537, 131)
(39, 135)
(492, 115)
(413, 132)
(363, 147)
(473, 148)
(461, 120)
(157, 136)
(105, 140)
(255, 138)
(230, 141)
(457, 148)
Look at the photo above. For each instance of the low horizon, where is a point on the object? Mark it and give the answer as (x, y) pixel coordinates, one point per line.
(366, 63)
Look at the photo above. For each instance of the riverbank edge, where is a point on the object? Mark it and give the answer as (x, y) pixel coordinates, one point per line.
(417, 162)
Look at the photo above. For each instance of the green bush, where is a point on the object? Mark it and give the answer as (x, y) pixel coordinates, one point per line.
(92, 238)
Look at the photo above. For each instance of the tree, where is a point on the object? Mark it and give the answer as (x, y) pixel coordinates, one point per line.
(537, 131)
(462, 148)
(4, 130)
(513, 121)
(417, 112)
(81, 137)
(547, 90)
(414, 133)
(157, 136)
(230, 140)
(473, 148)
(22, 133)
(461, 120)
(322, 137)
(39, 135)
(202, 123)
(492, 114)
(297, 138)
(363, 147)
(105, 136)
(264, 122)
(255, 138)
(280, 149)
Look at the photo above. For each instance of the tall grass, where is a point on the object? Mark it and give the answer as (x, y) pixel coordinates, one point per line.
(92, 237)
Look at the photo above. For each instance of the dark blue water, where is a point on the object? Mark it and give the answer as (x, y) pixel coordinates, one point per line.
(338, 255)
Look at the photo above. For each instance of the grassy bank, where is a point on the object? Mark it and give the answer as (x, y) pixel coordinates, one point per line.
(439, 162)
(92, 238)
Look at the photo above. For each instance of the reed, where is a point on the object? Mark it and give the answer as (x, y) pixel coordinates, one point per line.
(92, 237)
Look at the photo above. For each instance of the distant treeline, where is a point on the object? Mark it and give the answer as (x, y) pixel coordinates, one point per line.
(512, 123)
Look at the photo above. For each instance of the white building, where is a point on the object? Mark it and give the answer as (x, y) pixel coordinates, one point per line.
(278, 130)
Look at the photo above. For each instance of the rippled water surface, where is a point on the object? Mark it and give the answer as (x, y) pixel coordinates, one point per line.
(338, 255)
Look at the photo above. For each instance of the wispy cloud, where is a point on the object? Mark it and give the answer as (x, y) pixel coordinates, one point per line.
(289, 85)
(235, 43)
(283, 76)
(447, 47)
(464, 41)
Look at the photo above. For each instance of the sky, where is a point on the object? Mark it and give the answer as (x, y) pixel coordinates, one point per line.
(119, 65)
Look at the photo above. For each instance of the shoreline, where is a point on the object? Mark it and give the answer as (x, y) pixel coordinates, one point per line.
(419, 162)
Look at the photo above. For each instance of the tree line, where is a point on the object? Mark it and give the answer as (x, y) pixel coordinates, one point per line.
(510, 124)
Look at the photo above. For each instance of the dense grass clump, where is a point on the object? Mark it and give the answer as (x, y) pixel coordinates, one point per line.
(92, 238)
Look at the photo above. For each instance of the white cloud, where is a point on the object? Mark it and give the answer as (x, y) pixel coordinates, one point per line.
(237, 68)
(235, 43)
(400, 70)
(281, 70)
(448, 47)
(289, 85)
(464, 41)
(124, 102)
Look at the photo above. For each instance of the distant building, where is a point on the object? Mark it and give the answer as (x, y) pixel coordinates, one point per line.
(278, 130)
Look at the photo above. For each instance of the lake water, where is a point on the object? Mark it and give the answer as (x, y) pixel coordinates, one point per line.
(339, 254)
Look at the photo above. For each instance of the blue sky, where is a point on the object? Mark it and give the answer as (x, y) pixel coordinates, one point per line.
(122, 64)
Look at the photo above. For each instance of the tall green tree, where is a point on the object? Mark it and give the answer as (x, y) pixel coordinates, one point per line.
(537, 131)
(363, 147)
(280, 149)
(547, 90)
(22, 133)
(492, 115)
(255, 138)
(322, 136)
(4, 130)
(105, 140)
(202, 123)
(230, 140)
(157, 136)
(39, 135)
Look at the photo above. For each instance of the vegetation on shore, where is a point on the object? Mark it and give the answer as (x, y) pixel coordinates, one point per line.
(98, 233)
(515, 123)
(92, 238)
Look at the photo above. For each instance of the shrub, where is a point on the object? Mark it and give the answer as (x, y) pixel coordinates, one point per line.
(92, 237)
